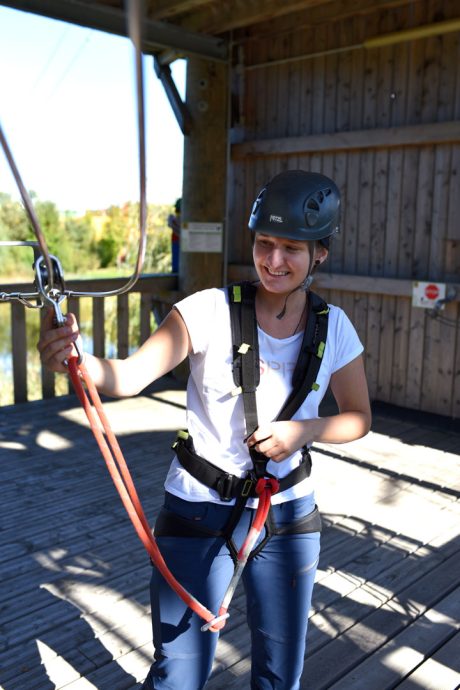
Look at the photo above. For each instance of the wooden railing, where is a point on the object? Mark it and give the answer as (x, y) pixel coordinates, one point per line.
(157, 293)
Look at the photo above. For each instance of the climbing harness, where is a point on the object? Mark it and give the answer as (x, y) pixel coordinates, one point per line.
(246, 376)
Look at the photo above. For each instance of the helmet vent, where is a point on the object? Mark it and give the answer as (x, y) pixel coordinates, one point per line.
(313, 205)
(257, 202)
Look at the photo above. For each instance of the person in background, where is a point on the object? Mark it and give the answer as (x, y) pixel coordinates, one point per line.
(292, 221)
(174, 224)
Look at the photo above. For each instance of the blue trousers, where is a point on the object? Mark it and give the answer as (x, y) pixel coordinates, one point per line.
(278, 583)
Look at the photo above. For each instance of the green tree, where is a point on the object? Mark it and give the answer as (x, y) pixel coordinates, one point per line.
(113, 239)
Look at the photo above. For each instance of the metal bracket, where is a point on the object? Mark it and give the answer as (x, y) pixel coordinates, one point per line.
(182, 113)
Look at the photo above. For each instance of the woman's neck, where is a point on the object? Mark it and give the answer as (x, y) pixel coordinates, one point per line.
(292, 307)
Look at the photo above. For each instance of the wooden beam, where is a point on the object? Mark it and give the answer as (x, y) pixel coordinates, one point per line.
(234, 15)
(391, 137)
(147, 283)
(333, 11)
(394, 287)
(205, 169)
(156, 35)
(170, 8)
(179, 108)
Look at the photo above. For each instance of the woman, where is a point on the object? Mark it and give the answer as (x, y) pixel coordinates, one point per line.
(291, 222)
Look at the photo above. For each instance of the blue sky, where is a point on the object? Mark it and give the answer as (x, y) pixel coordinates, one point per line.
(68, 110)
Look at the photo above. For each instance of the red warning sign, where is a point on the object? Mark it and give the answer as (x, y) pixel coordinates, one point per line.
(427, 295)
(431, 291)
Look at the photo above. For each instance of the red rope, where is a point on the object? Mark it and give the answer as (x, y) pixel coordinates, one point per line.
(122, 479)
(124, 484)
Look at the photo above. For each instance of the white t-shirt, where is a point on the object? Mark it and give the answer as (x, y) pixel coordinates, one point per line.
(215, 417)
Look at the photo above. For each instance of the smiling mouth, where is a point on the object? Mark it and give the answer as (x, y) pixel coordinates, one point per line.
(276, 273)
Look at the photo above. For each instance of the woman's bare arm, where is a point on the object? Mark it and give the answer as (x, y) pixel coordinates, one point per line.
(164, 350)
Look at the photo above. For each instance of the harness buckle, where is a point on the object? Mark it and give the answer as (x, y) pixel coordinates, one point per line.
(247, 486)
(224, 487)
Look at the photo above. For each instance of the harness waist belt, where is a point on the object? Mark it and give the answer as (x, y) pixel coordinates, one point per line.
(229, 486)
(168, 524)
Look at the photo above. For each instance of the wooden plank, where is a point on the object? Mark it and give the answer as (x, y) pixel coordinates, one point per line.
(358, 30)
(442, 670)
(145, 318)
(400, 363)
(122, 326)
(402, 654)
(342, 664)
(372, 352)
(47, 376)
(366, 172)
(19, 350)
(386, 357)
(306, 90)
(317, 97)
(391, 137)
(414, 83)
(98, 327)
(445, 379)
(399, 85)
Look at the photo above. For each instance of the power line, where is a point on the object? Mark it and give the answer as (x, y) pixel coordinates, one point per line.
(50, 58)
(70, 64)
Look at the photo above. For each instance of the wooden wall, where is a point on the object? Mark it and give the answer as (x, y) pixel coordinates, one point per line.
(384, 123)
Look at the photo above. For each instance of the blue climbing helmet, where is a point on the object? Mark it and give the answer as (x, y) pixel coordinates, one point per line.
(297, 205)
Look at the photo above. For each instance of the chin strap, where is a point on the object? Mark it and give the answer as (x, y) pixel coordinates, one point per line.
(306, 283)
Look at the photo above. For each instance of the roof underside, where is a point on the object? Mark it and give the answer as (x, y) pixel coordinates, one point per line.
(199, 27)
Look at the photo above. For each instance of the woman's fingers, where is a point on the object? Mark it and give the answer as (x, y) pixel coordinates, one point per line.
(57, 344)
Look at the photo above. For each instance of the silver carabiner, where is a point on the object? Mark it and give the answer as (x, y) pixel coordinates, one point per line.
(53, 296)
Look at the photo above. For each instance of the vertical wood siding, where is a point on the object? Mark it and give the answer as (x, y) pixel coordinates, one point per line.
(401, 204)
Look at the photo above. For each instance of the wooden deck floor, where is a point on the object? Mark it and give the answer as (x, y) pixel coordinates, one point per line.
(74, 609)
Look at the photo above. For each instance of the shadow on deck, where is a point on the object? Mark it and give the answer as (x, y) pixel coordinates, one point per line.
(74, 609)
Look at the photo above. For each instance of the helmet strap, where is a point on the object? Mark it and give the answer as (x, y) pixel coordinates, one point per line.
(306, 282)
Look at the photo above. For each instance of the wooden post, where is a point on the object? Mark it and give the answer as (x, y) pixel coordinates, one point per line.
(205, 168)
(19, 349)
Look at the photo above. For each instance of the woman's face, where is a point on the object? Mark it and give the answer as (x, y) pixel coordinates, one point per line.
(281, 264)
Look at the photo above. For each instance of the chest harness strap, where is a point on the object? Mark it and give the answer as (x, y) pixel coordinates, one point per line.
(246, 376)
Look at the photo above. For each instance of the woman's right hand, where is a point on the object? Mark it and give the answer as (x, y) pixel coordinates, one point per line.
(56, 345)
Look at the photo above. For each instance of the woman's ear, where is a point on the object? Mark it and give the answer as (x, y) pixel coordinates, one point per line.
(321, 254)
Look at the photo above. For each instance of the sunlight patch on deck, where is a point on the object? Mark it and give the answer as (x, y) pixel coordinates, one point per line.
(399, 659)
(49, 440)
(12, 445)
(139, 414)
(58, 669)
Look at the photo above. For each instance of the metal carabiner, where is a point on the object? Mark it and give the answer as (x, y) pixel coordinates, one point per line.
(53, 296)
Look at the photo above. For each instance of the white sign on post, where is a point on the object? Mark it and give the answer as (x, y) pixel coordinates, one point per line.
(426, 295)
(202, 237)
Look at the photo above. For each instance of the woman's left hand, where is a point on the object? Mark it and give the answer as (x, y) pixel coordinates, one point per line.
(279, 440)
